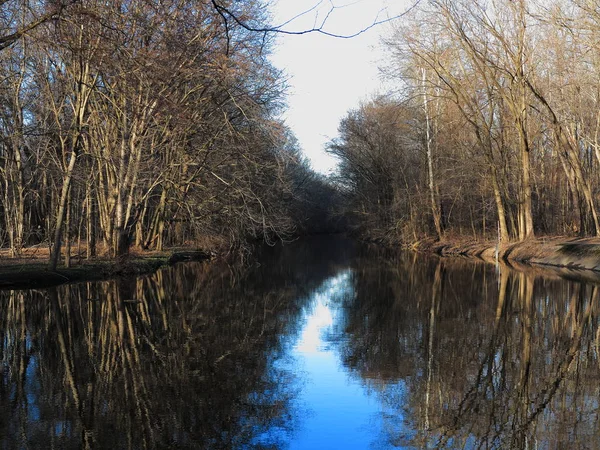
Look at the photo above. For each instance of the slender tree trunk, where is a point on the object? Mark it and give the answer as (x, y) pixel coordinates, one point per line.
(68, 233)
(521, 116)
(157, 228)
(91, 231)
(526, 204)
(62, 208)
(160, 234)
(139, 234)
(585, 190)
(428, 141)
(83, 91)
(504, 235)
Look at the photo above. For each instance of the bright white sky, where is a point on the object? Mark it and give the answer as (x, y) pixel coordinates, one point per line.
(328, 76)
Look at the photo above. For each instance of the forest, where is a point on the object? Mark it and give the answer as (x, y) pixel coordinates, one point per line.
(490, 129)
(152, 124)
(146, 124)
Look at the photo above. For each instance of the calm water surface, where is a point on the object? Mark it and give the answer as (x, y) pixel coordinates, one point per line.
(321, 346)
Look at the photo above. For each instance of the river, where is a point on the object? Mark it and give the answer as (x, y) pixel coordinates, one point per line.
(322, 344)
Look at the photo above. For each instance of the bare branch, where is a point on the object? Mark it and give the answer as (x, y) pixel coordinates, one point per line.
(227, 14)
(6, 40)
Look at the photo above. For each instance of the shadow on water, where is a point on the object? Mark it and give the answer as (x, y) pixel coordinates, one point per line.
(455, 354)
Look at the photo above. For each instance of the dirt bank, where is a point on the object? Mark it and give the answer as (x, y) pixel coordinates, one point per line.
(32, 273)
(560, 252)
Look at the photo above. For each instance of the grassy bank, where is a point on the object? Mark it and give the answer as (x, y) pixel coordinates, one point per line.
(33, 273)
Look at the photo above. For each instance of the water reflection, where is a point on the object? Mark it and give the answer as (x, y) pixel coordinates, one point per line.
(485, 360)
(180, 359)
(335, 408)
(319, 347)
(320, 316)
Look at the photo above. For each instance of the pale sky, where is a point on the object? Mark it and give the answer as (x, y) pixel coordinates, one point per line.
(328, 76)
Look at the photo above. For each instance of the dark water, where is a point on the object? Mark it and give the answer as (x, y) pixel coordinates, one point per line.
(323, 346)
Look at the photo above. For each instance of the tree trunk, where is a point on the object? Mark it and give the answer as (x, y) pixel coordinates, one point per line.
(435, 211)
(91, 231)
(504, 235)
(62, 208)
(68, 233)
(526, 203)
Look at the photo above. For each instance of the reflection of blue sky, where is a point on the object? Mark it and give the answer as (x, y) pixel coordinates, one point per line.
(31, 388)
(338, 411)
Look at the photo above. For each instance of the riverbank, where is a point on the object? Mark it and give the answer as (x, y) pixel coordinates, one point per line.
(32, 273)
(566, 252)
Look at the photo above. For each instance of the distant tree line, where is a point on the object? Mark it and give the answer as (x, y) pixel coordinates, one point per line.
(492, 130)
(141, 123)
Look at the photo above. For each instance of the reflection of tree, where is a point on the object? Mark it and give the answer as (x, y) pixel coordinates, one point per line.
(470, 359)
(181, 359)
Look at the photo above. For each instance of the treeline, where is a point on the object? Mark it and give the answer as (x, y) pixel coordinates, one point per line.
(143, 123)
(492, 129)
